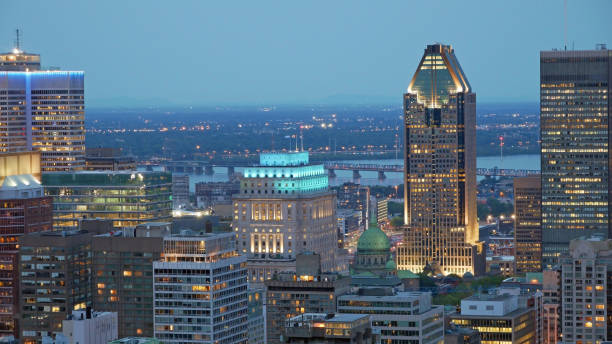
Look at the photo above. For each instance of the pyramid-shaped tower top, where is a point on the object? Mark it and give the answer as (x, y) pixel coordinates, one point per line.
(438, 75)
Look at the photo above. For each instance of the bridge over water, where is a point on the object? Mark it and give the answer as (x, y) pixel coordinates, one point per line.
(382, 169)
(200, 167)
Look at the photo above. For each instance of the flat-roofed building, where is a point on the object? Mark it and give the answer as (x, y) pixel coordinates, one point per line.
(55, 269)
(305, 291)
(200, 290)
(401, 317)
(318, 328)
(128, 198)
(528, 224)
(122, 277)
(498, 318)
(108, 159)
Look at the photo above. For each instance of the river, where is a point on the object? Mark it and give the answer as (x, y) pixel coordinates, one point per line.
(525, 161)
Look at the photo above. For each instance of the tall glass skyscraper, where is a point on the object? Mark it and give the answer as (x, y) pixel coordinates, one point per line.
(42, 110)
(574, 123)
(440, 168)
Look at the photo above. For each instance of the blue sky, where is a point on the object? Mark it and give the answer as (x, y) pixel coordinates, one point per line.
(273, 52)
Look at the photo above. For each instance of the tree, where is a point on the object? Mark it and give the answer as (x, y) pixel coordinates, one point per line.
(397, 221)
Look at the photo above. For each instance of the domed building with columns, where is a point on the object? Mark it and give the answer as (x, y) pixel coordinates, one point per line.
(373, 257)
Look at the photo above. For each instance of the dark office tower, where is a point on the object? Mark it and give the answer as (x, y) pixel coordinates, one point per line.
(122, 278)
(440, 168)
(574, 123)
(528, 224)
(55, 278)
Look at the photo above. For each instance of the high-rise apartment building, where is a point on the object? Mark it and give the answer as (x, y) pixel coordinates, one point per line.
(55, 269)
(127, 198)
(46, 111)
(401, 317)
(356, 197)
(200, 290)
(284, 207)
(307, 290)
(440, 168)
(586, 291)
(551, 323)
(122, 278)
(528, 224)
(23, 209)
(574, 129)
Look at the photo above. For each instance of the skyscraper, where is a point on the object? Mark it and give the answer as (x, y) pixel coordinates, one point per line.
(440, 167)
(284, 208)
(46, 112)
(574, 123)
(528, 224)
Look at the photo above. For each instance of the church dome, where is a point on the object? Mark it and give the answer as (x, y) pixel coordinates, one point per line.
(390, 265)
(373, 240)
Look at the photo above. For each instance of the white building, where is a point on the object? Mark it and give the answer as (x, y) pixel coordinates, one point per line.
(401, 317)
(200, 290)
(284, 208)
(88, 327)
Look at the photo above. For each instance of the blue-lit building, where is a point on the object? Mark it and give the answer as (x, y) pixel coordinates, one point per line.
(43, 111)
(284, 208)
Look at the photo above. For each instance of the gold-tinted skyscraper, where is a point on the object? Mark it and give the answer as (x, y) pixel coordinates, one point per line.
(574, 124)
(440, 167)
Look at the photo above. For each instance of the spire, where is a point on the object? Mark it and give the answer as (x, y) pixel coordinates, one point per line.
(17, 48)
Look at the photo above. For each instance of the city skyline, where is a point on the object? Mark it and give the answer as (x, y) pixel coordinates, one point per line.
(294, 53)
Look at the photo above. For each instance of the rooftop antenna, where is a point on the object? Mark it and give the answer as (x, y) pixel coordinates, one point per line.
(565, 23)
(17, 40)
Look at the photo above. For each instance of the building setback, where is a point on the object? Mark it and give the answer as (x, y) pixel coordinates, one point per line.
(55, 271)
(128, 198)
(574, 129)
(200, 290)
(284, 208)
(528, 224)
(440, 168)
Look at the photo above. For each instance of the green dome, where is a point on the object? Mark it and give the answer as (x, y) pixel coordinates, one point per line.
(390, 265)
(373, 240)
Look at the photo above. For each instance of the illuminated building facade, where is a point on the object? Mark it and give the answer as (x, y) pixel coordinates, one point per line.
(55, 279)
(586, 291)
(498, 318)
(284, 207)
(45, 112)
(574, 129)
(306, 290)
(23, 209)
(528, 224)
(128, 198)
(200, 291)
(440, 168)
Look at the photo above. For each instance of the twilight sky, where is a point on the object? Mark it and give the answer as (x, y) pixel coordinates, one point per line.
(271, 52)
